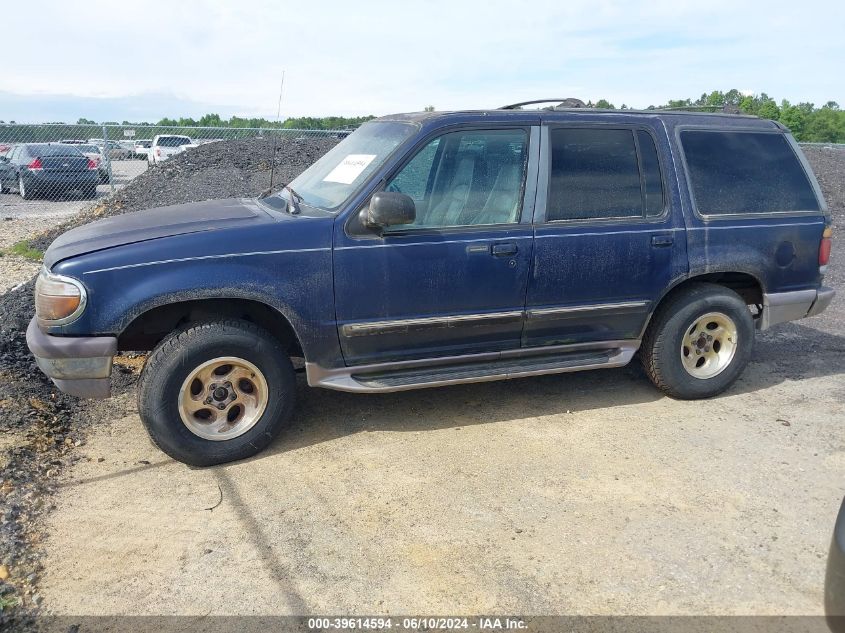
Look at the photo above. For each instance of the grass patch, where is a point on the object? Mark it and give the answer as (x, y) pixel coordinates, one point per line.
(23, 249)
(8, 603)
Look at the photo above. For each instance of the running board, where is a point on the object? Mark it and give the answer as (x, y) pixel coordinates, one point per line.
(400, 376)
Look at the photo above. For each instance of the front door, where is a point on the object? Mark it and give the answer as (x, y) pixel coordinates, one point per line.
(453, 282)
(607, 245)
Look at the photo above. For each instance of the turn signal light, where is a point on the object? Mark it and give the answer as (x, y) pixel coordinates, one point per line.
(58, 299)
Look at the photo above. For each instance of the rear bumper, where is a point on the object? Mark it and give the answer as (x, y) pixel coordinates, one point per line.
(780, 307)
(79, 366)
(60, 182)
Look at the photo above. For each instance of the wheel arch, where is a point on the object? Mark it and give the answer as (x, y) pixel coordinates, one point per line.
(746, 285)
(149, 327)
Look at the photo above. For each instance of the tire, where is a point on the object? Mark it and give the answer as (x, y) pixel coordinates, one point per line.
(676, 352)
(24, 192)
(164, 390)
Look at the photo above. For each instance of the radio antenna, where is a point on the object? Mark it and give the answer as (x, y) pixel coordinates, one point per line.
(276, 136)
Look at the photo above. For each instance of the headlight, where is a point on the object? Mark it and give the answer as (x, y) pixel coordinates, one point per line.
(58, 299)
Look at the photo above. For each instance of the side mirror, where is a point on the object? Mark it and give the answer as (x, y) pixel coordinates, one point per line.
(388, 208)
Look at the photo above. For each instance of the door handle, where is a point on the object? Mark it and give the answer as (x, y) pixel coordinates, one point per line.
(662, 240)
(505, 249)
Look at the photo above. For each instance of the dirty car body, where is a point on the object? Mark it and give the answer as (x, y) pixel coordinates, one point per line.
(442, 248)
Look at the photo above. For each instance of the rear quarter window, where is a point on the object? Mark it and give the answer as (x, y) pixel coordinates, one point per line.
(738, 173)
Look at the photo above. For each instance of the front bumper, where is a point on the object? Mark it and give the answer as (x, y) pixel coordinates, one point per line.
(80, 366)
(780, 307)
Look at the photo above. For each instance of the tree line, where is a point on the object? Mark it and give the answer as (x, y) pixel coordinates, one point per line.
(808, 123)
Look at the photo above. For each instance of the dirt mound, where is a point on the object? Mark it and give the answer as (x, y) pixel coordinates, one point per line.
(224, 169)
(828, 163)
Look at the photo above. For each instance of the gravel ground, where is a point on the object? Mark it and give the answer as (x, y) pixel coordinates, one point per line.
(15, 271)
(550, 432)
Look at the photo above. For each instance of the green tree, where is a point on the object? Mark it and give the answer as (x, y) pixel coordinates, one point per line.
(604, 104)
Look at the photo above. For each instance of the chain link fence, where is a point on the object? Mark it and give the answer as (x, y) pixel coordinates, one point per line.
(57, 167)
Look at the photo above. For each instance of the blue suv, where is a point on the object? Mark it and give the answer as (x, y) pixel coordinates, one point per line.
(441, 248)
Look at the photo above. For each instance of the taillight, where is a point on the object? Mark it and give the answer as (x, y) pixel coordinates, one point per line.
(824, 247)
(35, 165)
(92, 164)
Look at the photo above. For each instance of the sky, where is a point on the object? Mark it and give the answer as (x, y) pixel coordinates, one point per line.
(143, 60)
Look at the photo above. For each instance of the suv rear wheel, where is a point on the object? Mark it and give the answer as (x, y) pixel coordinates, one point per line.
(698, 342)
(216, 392)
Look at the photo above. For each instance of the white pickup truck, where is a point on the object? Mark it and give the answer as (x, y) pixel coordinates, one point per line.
(166, 145)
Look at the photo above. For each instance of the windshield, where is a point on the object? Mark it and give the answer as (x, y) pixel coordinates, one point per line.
(330, 181)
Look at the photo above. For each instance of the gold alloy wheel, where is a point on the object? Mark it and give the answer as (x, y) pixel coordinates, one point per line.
(709, 345)
(223, 398)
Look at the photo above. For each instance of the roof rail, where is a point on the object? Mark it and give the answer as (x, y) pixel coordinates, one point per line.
(566, 102)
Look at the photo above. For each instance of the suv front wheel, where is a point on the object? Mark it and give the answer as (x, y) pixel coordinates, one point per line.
(698, 342)
(216, 392)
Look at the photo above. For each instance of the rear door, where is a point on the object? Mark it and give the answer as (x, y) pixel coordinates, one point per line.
(607, 245)
(454, 281)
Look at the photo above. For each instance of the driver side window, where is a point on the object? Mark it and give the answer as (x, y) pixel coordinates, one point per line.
(471, 177)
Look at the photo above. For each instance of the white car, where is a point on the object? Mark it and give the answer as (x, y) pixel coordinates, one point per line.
(142, 148)
(166, 145)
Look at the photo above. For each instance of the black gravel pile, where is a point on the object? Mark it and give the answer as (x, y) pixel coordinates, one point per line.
(225, 169)
(828, 163)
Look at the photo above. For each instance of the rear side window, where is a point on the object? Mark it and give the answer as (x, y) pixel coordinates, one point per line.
(53, 150)
(173, 141)
(745, 173)
(603, 173)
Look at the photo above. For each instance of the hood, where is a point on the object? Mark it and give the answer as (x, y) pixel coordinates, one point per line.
(146, 225)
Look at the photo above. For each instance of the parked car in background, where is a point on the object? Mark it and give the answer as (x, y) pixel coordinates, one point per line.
(142, 148)
(72, 141)
(166, 145)
(96, 154)
(5, 148)
(115, 149)
(434, 249)
(48, 169)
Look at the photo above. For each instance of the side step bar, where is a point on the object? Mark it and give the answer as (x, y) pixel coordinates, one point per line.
(454, 370)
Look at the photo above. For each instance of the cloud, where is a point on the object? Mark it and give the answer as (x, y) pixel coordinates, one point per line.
(381, 57)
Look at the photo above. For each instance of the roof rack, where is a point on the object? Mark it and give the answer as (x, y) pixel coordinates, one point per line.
(573, 103)
(566, 102)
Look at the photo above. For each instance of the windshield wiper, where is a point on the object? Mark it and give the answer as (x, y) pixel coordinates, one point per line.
(295, 199)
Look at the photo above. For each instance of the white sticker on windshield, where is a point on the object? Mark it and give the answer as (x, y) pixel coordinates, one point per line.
(349, 168)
